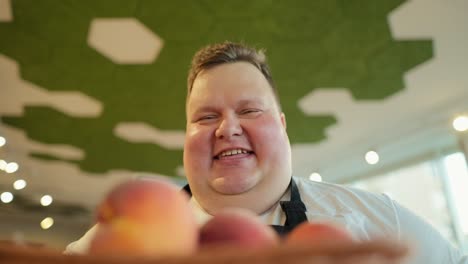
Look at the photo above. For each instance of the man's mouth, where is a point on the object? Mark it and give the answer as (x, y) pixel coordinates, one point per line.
(232, 152)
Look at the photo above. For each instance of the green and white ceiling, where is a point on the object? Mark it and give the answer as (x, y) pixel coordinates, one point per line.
(92, 92)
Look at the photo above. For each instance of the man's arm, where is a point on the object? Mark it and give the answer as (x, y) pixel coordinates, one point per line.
(429, 245)
(81, 245)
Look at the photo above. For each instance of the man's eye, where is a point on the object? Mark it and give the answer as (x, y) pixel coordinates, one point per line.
(207, 117)
(250, 111)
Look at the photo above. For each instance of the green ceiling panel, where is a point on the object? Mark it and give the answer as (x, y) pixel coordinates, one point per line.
(310, 44)
(103, 150)
(176, 20)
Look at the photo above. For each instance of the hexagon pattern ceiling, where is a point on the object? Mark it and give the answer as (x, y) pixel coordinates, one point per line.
(93, 91)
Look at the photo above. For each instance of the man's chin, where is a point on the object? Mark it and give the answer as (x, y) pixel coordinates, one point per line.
(225, 186)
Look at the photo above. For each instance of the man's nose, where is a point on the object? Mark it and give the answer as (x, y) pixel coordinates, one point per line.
(230, 126)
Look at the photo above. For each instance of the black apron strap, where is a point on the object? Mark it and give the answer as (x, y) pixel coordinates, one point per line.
(293, 209)
(187, 190)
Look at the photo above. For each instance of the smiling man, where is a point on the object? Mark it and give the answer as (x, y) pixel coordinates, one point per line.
(237, 151)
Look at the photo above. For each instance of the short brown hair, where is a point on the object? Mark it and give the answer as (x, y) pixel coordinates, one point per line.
(228, 52)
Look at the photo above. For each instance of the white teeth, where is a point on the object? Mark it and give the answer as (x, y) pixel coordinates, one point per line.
(232, 152)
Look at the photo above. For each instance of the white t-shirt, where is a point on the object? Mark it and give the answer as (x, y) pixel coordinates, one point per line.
(365, 215)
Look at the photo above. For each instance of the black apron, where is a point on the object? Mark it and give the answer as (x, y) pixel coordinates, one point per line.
(293, 209)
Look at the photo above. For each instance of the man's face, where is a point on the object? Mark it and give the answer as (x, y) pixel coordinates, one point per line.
(236, 146)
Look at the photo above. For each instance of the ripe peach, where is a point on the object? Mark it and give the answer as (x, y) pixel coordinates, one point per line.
(237, 227)
(316, 233)
(117, 239)
(145, 217)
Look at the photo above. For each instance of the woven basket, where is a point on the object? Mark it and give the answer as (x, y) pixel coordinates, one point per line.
(377, 252)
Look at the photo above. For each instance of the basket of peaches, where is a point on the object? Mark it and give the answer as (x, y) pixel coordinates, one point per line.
(150, 221)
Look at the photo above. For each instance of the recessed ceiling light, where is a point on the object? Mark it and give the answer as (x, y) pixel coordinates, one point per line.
(47, 222)
(6, 197)
(460, 123)
(46, 200)
(315, 176)
(3, 164)
(19, 184)
(11, 167)
(372, 157)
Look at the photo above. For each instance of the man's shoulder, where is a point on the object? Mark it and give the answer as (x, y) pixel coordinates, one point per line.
(341, 195)
(322, 186)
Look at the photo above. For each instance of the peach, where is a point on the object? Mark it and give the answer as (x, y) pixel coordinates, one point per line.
(118, 240)
(239, 228)
(317, 233)
(146, 218)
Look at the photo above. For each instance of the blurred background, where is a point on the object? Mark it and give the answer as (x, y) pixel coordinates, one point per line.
(92, 92)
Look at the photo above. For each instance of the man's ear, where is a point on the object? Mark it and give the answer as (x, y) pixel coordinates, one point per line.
(283, 120)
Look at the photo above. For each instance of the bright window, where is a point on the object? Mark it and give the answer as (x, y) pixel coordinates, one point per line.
(457, 179)
(417, 188)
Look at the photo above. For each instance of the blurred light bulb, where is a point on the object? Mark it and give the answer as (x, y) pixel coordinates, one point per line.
(6, 197)
(47, 222)
(3, 164)
(460, 123)
(2, 141)
(19, 184)
(11, 167)
(46, 200)
(315, 176)
(372, 157)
